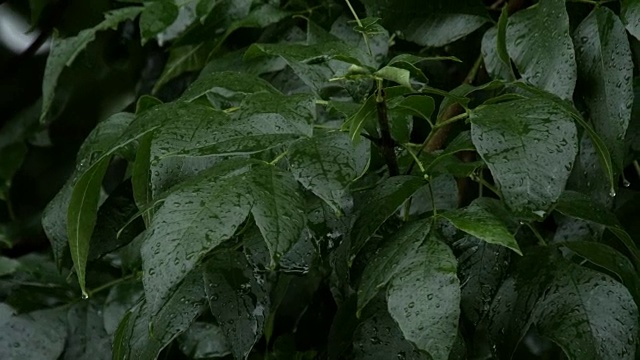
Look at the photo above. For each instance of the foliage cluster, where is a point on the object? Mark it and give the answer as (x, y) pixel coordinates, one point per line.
(380, 179)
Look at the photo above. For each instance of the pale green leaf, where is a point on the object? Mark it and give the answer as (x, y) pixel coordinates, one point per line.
(156, 17)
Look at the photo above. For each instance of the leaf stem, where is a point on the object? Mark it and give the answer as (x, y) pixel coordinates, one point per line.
(484, 183)
(444, 123)
(535, 232)
(387, 144)
(355, 16)
(135, 275)
(637, 167)
(278, 158)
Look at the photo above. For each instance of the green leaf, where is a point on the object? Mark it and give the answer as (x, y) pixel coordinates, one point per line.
(140, 176)
(395, 74)
(54, 222)
(501, 39)
(604, 62)
(37, 335)
(278, 208)
(194, 219)
(433, 24)
(229, 86)
(482, 221)
(424, 299)
(184, 59)
(64, 51)
(143, 333)
(630, 15)
(204, 341)
(121, 298)
(588, 314)
(610, 259)
(87, 336)
(238, 300)
(530, 146)
(81, 217)
(155, 18)
(397, 254)
(8, 266)
(482, 268)
(445, 195)
(549, 21)
(382, 202)
(581, 206)
(492, 60)
(419, 106)
(378, 337)
(326, 164)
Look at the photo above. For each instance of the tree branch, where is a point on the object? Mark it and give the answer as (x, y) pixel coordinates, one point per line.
(387, 145)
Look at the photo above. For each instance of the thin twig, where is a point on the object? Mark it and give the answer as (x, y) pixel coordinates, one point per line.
(387, 144)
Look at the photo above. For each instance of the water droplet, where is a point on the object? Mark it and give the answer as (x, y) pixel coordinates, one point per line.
(85, 296)
(626, 183)
(612, 193)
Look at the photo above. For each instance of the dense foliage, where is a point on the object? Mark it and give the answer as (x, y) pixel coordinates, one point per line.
(374, 179)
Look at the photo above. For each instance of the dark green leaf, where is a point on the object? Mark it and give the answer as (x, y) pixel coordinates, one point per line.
(194, 219)
(420, 106)
(184, 59)
(64, 51)
(424, 299)
(605, 64)
(204, 341)
(398, 254)
(434, 24)
(580, 206)
(143, 333)
(492, 60)
(530, 146)
(87, 336)
(156, 17)
(228, 86)
(445, 196)
(121, 298)
(8, 266)
(278, 208)
(549, 21)
(630, 15)
(381, 204)
(238, 299)
(480, 220)
(37, 335)
(608, 258)
(327, 164)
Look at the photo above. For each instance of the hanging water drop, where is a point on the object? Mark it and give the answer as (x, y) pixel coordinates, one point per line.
(626, 183)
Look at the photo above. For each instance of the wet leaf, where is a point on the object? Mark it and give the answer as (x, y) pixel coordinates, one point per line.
(122, 297)
(433, 24)
(534, 33)
(155, 18)
(193, 220)
(143, 333)
(64, 52)
(87, 336)
(204, 341)
(382, 203)
(482, 221)
(605, 64)
(327, 164)
(36, 335)
(424, 299)
(228, 86)
(238, 300)
(580, 206)
(630, 15)
(398, 254)
(530, 146)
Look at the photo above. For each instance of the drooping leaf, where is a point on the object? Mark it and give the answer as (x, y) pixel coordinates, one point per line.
(37, 335)
(122, 297)
(395, 74)
(424, 299)
(482, 268)
(605, 64)
(588, 314)
(549, 21)
(530, 146)
(87, 336)
(204, 341)
(480, 220)
(327, 164)
(64, 52)
(433, 24)
(54, 222)
(580, 206)
(382, 203)
(608, 258)
(496, 68)
(278, 208)
(156, 17)
(194, 219)
(143, 332)
(184, 59)
(445, 196)
(630, 15)
(378, 336)
(238, 300)
(398, 254)
(229, 86)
